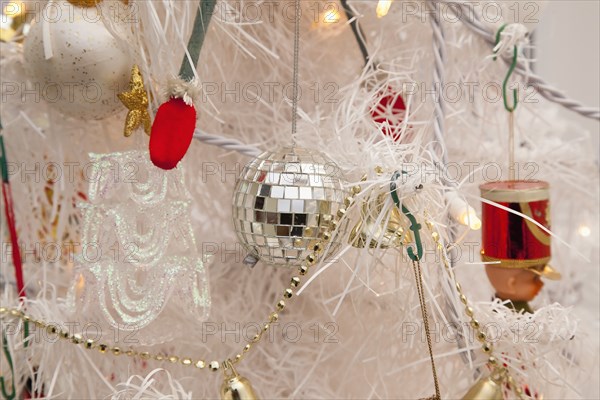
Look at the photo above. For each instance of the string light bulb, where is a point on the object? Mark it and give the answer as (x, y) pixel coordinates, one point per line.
(584, 230)
(327, 22)
(80, 283)
(461, 212)
(331, 16)
(383, 6)
(12, 21)
(470, 219)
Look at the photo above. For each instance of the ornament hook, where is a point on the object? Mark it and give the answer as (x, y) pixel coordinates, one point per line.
(414, 225)
(228, 366)
(511, 69)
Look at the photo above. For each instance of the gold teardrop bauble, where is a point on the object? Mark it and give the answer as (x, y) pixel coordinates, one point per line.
(237, 388)
(90, 3)
(485, 389)
(84, 3)
(368, 233)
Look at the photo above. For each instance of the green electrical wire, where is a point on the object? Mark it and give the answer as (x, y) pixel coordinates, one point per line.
(203, 15)
(3, 162)
(12, 395)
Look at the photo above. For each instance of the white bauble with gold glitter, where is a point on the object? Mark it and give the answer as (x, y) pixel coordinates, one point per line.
(75, 63)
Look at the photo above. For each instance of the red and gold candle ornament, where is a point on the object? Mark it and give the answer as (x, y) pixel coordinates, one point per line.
(510, 240)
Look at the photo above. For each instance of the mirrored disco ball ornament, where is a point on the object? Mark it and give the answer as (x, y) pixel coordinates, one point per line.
(284, 201)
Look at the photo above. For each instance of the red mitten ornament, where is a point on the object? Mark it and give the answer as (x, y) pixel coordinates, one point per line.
(172, 133)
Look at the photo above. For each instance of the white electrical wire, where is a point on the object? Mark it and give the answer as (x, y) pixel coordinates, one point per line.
(470, 18)
(538, 83)
(227, 143)
(439, 56)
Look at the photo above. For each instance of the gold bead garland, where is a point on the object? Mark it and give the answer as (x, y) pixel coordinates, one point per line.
(500, 372)
(295, 280)
(200, 364)
(102, 348)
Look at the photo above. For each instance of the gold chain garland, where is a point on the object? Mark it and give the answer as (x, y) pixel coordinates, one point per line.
(499, 372)
(104, 348)
(419, 282)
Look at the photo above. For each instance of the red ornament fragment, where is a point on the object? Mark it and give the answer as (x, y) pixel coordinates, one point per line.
(172, 133)
(389, 112)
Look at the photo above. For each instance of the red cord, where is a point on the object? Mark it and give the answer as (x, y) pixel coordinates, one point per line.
(16, 252)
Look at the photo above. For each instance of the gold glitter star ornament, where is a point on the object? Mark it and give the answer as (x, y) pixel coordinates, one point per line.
(136, 101)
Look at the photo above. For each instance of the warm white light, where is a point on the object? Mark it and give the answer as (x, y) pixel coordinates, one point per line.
(328, 22)
(584, 230)
(331, 16)
(80, 285)
(462, 212)
(470, 219)
(12, 9)
(383, 6)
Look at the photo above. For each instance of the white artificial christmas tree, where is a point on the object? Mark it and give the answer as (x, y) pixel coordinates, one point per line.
(411, 98)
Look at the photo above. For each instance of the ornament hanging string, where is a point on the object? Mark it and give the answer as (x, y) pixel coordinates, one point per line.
(420, 291)
(509, 108)
(511, 146)
(295, 73)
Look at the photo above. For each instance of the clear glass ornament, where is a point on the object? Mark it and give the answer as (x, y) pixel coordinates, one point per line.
(139, 268)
